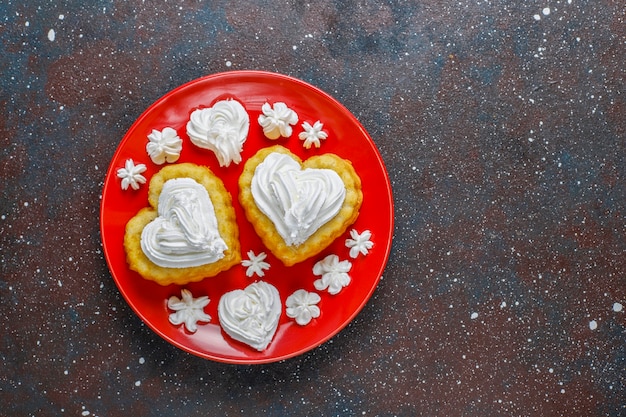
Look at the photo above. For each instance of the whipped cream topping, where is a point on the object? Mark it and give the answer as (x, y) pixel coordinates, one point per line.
(311, 135)
(222, 129)
(131, 175)
(185, 233)
(255, 264)
(298, 201)
(302, 306)
(359, 243)
(188, 310)
(251, 315)
(334, 274)
(276, 121)
(164, 146)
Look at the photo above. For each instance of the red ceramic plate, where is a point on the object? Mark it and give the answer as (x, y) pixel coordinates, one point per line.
(346, 138)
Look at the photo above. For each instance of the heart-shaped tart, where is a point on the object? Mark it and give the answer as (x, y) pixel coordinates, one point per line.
(189, 232)
(299, 208)
(251, 315)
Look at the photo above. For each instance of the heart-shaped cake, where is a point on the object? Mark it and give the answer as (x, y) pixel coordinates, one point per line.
(299, 208)
(251, 315)
(189, 232)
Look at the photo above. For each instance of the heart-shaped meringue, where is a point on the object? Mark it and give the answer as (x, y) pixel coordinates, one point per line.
(222, 129)
(251, 315)
(189, 233)
(298, 208)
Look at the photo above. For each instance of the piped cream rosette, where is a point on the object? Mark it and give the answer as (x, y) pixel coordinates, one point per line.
(299, 208)
(189, 232)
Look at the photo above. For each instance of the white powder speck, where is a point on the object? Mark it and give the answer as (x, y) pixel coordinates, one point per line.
(569, 1)
(61, 16)
(137, 383)
(562, 390)
(294, 47)
(85, 413)
(51, 35)
(474, 316)
(229, 64)
(27, 23)
(503, 304)
(65, 372)
(617, 307)
(593, 324)
(546, 11)
(537, 17)
(142, 361)
(551, 370)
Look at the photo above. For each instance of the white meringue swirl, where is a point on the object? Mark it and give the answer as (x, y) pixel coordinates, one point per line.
(302, 306)
(164, 146)
(276, 121)
(251, 315)
(222, 129)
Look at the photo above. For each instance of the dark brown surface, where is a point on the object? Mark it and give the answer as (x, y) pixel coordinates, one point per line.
(503, 128)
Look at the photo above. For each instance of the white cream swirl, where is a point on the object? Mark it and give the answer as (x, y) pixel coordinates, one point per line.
(185, 233)
(164, 146)
(251, 315)
(302, 306)
(222, 129)
(298, 201)
(276, 121)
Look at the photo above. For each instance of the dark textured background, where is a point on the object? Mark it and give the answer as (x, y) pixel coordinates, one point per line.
(502, 125)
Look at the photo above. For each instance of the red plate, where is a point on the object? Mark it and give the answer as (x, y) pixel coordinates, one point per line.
(346, 138)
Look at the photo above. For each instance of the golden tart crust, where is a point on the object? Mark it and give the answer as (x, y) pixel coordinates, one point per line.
(328, 232)
(226, 221)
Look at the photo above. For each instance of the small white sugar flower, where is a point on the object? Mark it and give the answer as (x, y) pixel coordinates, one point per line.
(255, 264)
(360, 243)
(301, 305)
(188, 310)
(334, 274)
(312, 134)
(131, 175)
